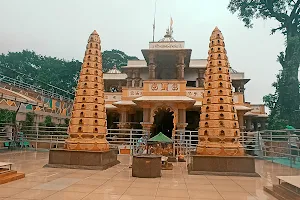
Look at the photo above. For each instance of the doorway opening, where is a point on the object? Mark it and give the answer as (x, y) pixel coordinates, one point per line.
(163, 122)
(192, 119)
(112, 119)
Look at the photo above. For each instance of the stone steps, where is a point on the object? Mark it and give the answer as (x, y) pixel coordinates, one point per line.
(9, 176)
(282, 193)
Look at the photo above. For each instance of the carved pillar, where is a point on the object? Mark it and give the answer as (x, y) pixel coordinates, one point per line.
(147, 120)
(123, 119)
(129, 79)
(152, 66)
(181, 125)
(242, 90)
(180, 66)
(119, 86)
(200, 78)
(241, 120)
(137, 78)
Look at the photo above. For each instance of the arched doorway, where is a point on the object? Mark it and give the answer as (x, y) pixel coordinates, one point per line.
(163, 122)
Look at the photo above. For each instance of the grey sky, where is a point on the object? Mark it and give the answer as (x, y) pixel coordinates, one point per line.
(61, 28)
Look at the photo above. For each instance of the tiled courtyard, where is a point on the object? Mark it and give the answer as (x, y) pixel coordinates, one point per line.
(117, 183)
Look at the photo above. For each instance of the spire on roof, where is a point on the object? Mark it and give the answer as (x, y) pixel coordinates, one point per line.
(114, 70)
(168, 36)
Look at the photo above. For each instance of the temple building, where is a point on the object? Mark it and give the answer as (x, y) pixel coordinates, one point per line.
(164, 92)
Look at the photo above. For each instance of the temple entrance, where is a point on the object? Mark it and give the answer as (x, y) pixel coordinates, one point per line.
(163, 122)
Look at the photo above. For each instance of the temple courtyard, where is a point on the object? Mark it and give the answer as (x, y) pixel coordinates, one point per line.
(117, 182)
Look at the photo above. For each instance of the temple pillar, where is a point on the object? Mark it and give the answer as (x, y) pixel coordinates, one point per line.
(147, 124)
(200, 79)
(242, 90)
(123, 124)
(152, 66)
(180, 66)
(241, 120)
(181, 125)
(137, 78)
(248, 124)
(119, 86)
(129, 79)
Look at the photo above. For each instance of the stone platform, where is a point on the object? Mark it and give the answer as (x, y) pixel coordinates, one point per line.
(222, 165)
(62, 158)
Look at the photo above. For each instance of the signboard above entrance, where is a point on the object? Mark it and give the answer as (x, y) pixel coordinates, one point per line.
(166, 45)
(164, 87)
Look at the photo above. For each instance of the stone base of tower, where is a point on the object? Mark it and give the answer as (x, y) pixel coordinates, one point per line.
(63, 158)
(222, 165)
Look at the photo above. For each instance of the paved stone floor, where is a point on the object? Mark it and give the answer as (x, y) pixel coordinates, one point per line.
(117, 183)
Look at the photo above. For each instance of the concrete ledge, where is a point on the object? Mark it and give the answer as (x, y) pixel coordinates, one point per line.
(222, 165)
(62, 158)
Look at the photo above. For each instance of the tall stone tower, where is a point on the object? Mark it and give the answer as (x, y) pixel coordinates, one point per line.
(87, 128)
(219, 128)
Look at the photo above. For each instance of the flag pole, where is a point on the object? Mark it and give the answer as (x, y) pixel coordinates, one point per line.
(154, 22)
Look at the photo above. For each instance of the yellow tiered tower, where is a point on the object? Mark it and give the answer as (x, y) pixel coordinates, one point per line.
(219, 128)
(87, 128)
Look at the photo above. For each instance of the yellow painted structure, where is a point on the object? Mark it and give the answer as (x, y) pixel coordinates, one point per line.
(87, 129)
(219, 127)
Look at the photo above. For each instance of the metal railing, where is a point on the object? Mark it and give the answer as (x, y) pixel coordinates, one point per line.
(26, 86)
(281, 146)
(40, 137)
(186, 142)
(276, 146)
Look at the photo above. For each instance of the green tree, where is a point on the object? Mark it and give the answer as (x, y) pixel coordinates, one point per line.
(7, 116)
(48, 122)
(115, 57)
(51, 73)
(285, 102)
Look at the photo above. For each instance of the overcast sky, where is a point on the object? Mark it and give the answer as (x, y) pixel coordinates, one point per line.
(61, 28)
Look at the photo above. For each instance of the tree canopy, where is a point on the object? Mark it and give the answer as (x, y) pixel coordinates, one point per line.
(49, 72)
(284, 104)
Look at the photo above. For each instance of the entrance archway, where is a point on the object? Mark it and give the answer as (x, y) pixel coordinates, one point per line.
(163, 122)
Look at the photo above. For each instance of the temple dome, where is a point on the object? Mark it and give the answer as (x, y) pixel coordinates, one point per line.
(114, 70)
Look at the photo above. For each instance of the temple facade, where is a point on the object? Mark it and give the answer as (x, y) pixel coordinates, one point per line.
(164, 92)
